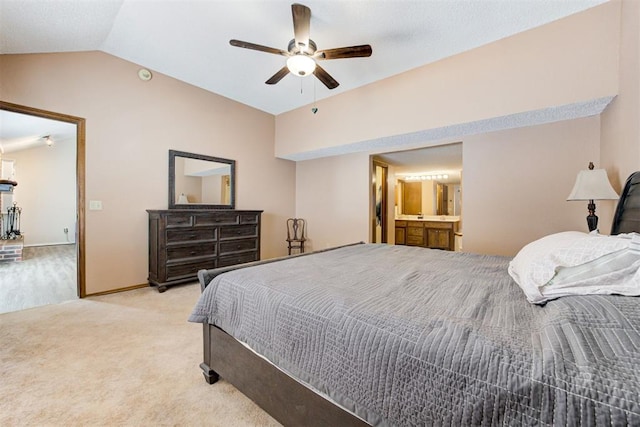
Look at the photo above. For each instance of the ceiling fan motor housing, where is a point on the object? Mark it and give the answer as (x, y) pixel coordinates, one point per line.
(302, 49)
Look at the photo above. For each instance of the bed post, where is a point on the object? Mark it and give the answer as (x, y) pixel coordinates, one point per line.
(210, 375)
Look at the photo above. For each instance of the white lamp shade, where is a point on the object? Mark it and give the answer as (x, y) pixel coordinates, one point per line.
(592, 185)
(301, 65)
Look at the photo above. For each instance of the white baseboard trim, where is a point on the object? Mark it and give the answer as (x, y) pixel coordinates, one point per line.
(49, 244)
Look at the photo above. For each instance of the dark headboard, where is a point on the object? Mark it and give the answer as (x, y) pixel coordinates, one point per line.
(627, 216)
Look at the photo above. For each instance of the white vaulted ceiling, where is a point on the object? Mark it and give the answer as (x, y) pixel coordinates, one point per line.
(189, 39)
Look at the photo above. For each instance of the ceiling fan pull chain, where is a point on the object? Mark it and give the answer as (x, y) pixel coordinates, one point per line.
(314, 109)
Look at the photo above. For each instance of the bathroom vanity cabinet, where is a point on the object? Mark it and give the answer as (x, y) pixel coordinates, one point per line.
(431, 232)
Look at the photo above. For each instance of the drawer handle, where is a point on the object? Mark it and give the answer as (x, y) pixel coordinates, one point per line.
(192, 253)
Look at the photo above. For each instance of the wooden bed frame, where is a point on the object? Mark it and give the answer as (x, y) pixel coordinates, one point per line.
(285, 399)
(289, 401)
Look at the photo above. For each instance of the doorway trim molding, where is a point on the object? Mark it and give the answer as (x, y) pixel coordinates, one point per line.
(384, 205)
(80, 178)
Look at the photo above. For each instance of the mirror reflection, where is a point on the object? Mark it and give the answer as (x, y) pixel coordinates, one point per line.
(428, 197)
(427, 181)
(199, 181)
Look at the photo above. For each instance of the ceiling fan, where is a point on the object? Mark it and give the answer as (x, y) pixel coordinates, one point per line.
(302, 52)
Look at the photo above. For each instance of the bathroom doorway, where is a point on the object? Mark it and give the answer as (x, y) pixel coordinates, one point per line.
(379, 201)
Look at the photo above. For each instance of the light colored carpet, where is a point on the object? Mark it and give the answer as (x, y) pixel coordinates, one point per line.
(47, 275)
(126, 359)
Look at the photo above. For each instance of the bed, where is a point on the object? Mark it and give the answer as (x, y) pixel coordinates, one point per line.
(371, 334)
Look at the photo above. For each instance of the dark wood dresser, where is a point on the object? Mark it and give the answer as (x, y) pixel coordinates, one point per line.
(183, 241)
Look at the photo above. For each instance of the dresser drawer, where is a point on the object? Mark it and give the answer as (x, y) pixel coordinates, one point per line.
(250, 218)
(238, 245)
(222, 218)
(415, 241)
(190, 251)
(179, 220)
(238, 231)
(187, 235)
(224, 261)
(415, 232)
(439, 224)
(176, 271)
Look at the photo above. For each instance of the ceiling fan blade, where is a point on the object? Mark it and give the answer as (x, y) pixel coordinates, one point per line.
(301, 22)
(325, 78)
(345, 52)
(278, 76)
(253, 46)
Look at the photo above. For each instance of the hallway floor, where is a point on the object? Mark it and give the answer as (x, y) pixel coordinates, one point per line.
(47, 275)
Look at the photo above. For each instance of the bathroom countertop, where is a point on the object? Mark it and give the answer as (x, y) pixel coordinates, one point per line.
(443, 218)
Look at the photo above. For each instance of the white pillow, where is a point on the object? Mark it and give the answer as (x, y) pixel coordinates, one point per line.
(576, 263)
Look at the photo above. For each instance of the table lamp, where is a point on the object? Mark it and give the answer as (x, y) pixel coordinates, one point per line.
(591, 185)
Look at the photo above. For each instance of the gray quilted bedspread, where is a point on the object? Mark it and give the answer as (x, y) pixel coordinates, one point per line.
(410, 336)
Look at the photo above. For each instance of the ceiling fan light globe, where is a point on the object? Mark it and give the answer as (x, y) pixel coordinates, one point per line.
(301, 65)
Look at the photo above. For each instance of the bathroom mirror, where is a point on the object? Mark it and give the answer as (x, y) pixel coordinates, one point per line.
(197, 181)
(428, 197)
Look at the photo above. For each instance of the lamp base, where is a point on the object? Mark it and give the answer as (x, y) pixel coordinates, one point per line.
(592, 218)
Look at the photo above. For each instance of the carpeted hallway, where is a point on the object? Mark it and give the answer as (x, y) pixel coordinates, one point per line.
(46, 275)
(125, 359)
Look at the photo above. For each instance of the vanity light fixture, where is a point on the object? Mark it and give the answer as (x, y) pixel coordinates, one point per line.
(425, 177)
(48, 140)
(592, 184)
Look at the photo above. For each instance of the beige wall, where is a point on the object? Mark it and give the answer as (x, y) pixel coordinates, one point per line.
(130, 126)
(333, 196)
(46, 192)
(515, 186)
(621, 121)
(516, 183)
(567, 61)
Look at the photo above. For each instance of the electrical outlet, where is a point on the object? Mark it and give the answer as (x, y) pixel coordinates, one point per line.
(95, 205)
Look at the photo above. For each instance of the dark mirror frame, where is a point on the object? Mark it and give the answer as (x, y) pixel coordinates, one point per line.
(172, 181)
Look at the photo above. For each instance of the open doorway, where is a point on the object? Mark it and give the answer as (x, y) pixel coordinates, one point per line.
(426, 187)
(379, 201)
(52, 229)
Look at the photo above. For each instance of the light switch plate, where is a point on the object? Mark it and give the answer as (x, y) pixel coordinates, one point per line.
(95, 205)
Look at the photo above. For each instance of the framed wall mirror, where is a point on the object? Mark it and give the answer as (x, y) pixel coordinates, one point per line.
(197, 181)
